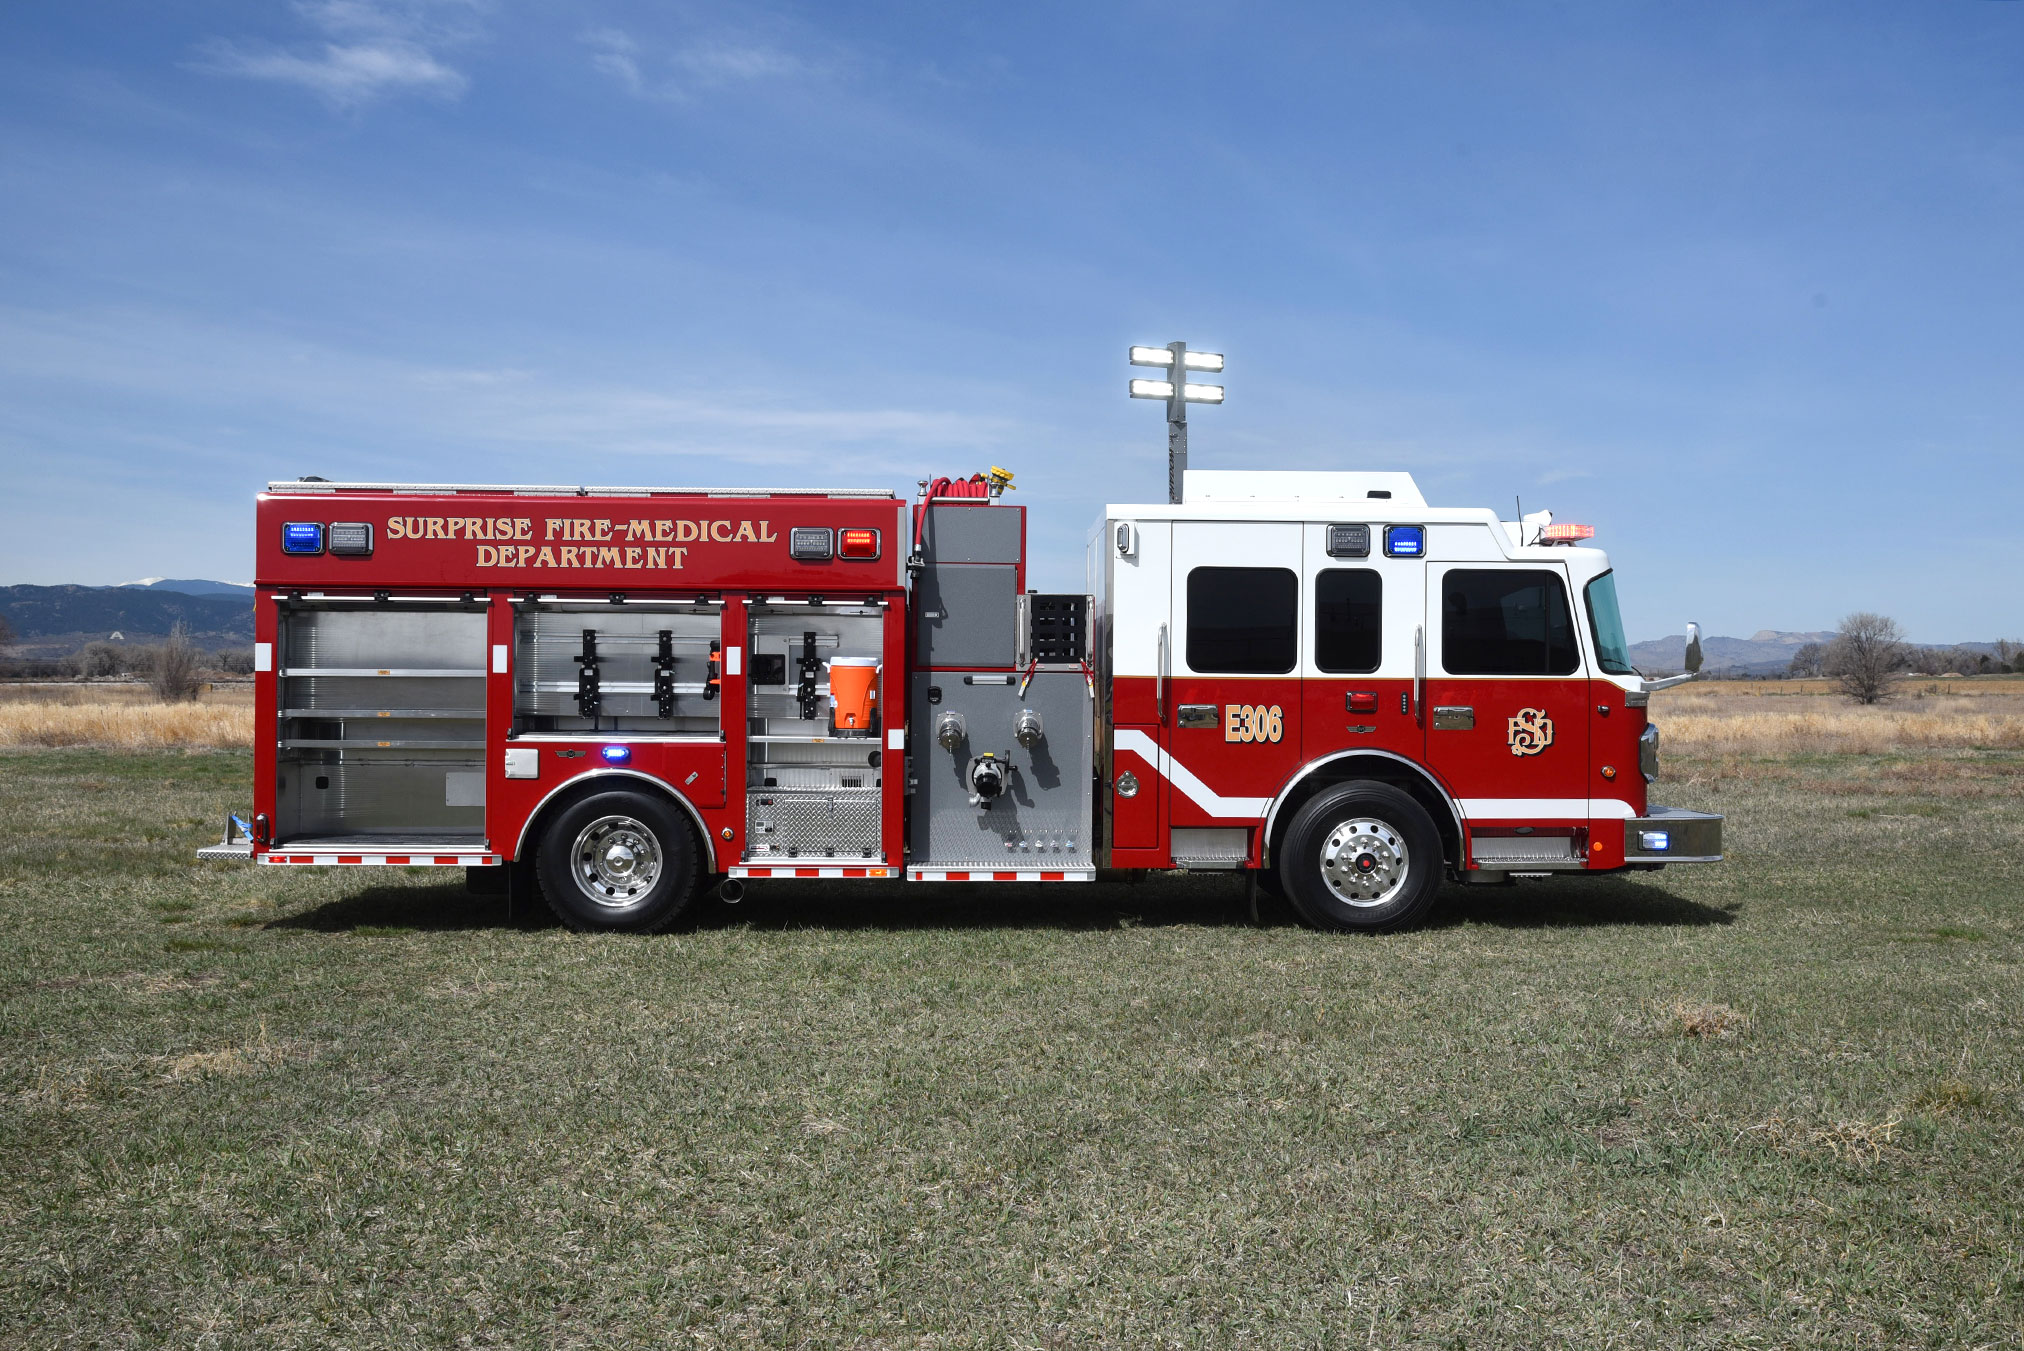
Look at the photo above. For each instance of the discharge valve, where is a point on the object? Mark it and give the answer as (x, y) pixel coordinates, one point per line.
(1026, 731)
(986, 779)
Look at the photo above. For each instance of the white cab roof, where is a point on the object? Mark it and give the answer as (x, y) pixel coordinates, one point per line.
(1298, 485)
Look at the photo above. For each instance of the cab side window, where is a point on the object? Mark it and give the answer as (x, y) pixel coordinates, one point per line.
(1506, 621)
(1348, 607)
(1242, 621)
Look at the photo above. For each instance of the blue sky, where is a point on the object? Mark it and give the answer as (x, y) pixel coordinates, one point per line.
(1738, 284)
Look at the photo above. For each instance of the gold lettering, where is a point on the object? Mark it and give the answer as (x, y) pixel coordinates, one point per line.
(725, 527)
(555, 524)
(657, 558)
(678, 556)
(435, 528)
(502, 527)
(607, 558)
(745, 534)
(526, 551)
(396, 528)
(523, 528)
(686, 530)
(568, 556)
(639, 529)
(488, 555)
(766, 535)
(632, 558)
(603, 530)
(546, 558)
(664, 530)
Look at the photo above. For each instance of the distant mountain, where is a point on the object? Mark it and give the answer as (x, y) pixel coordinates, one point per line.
(54, 621)
(193, 587)
(1763, 653)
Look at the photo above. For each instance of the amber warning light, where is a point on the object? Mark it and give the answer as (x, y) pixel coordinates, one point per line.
(1566, 534)
(857, 543)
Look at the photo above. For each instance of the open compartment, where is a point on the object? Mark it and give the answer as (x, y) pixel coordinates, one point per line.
(381, 733)
(591, 668)
(813, 770)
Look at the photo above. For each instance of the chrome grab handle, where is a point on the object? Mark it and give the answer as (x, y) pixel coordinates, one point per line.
(1160, 677)
(1419, 673)
(1199, 715)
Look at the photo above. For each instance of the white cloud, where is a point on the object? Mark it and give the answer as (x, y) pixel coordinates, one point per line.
(343, 75)
(679, 74)
(374, 49)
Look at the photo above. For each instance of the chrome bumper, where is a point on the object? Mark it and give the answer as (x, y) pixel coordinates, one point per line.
(1672, 835)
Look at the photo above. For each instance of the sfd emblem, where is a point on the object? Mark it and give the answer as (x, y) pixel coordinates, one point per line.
(1531, 731)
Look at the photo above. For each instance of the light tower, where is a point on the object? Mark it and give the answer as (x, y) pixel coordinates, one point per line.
(1178, 393)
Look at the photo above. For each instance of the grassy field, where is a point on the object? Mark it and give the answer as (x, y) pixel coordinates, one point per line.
(1774, 1102)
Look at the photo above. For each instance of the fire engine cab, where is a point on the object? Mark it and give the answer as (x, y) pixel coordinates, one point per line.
(616, 696)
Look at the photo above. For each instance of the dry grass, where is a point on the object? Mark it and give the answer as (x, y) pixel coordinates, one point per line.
(1692, 1018)
(125, 725)
(1743, 719)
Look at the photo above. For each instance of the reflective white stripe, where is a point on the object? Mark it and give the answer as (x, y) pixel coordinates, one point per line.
(991, 875)
(866, 873)
(1559, 808)
(1178, 774)
(734, 660)
(285, 859)
(499, 658)
(263, 656)
(896, 738)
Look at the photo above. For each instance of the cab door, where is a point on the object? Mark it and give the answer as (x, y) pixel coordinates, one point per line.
(1506, 693)
(1363, 613)
(1233, 708)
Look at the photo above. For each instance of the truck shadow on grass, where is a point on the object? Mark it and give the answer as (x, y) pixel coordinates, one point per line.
(1201, 900)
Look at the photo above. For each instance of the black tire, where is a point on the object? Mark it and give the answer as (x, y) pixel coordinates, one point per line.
(618, 862)
(1362, 858)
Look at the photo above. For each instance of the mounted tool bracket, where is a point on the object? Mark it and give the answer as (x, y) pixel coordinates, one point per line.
(588, 699)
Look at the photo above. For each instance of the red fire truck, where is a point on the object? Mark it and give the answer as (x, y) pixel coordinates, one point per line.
(617, 696)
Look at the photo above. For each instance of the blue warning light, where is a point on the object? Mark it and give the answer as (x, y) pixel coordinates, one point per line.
(616, 755)
(1405, 541)
(302, 537)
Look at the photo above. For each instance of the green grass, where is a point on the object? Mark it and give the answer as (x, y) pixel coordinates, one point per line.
(1774, 1102)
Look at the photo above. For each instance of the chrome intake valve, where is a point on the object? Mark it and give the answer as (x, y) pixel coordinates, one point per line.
(1026, 731)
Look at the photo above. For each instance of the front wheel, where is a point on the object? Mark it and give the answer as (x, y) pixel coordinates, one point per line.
(618, 861)
(1362, 857)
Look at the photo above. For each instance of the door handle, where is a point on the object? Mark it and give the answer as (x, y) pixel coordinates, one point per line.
(1198, 715)
(1419, 674)
(1454, 718)
(1160, 677)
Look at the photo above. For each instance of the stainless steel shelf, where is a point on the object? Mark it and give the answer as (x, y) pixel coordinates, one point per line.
(392, 744)
(448, 715)
(398, 672)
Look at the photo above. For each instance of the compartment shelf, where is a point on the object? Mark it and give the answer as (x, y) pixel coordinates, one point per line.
(332, 714)
(399, 673)
(354, 743)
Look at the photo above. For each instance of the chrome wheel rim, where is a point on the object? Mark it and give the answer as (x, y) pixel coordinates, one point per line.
(616, 861)
(1364, 861)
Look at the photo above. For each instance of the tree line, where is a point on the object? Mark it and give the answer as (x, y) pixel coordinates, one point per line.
(1869, 649)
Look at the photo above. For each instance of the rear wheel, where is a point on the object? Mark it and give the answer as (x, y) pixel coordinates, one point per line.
(1361, 857)
(618, 861)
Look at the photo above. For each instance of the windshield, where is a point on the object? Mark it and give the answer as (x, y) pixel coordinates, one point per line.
(1612, 653)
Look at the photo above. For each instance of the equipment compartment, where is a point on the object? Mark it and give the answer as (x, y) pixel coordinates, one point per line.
(381, 721)
(812, 790)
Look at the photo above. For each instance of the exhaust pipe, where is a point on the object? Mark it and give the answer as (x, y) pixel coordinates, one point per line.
(730, 891)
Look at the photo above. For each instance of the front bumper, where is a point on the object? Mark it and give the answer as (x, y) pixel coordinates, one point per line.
(1672, 835)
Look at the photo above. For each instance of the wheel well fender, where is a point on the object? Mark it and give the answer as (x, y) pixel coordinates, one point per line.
(1379, 766)
(598, 780)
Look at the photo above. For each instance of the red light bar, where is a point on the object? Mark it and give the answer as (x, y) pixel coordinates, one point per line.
(1566, 534)
(857, 543)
